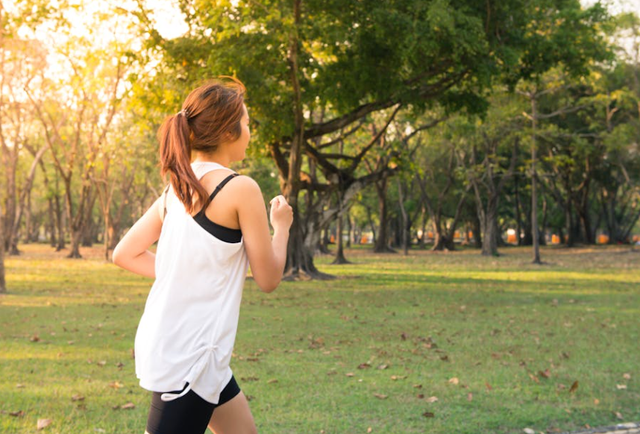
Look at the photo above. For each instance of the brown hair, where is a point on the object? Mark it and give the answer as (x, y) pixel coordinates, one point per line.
(210, 115)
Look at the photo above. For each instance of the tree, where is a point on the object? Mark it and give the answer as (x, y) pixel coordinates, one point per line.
(438, 176)
(489, 155)
(346, 59)
(569, 38)
(76, 112)
(21, 62)
(3, 282)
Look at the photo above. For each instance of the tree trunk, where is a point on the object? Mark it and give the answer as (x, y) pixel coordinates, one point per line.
(51, 224)
(61, 216)
(350, 231)
(24, 201)
(10, 162)
(568, 221)
(534, 187)
(299, 255)
(405, 220)
(542, 238)
(490, 226)
(371, 225)
(28, 219)
(477, 230)
(76, 239)
(323, 244)
(3, 282)
(518, 214)
(381, 244)
(90, 227)
(441, 242)
(10, 207)
(340, 259)
(423, 218)
(467, 239)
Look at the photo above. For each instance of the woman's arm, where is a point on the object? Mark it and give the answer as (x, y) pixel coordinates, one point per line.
(132, 252)
(267, 255)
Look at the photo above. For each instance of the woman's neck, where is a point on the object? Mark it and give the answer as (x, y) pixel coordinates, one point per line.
(219, 159)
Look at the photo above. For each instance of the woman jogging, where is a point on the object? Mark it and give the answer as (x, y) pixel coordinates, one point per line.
(210, 224)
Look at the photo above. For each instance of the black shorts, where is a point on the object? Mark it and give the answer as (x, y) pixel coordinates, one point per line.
(189, 414)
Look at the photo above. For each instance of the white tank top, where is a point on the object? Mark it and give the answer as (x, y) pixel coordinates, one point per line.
(188, 328)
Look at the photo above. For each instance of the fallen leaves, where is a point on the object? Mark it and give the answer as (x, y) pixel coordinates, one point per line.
(19, 413)
(428, 414)
(380, 396)
(432, 399)
(455, 381)
(43, 423)
(315, 343)
(77, 397)
(116, 385)
(127, 406)
(574, 387)
(621, 386)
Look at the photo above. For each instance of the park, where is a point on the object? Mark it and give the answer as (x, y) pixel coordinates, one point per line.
(464, 181)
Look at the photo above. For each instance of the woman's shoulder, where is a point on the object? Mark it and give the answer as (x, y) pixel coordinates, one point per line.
(246, 183)
(237, 190)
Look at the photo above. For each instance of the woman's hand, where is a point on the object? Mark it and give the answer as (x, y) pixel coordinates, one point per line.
(281, 214)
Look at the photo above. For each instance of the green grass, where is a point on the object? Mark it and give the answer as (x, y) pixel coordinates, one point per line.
(67, 328)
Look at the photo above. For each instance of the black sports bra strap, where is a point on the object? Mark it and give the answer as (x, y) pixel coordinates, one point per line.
(222, 184)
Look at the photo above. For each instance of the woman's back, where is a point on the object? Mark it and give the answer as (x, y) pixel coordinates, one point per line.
(194, 303)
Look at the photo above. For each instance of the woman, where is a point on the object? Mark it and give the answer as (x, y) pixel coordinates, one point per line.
(210, 224)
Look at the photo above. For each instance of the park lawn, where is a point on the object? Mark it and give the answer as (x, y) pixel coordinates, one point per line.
(502, 344)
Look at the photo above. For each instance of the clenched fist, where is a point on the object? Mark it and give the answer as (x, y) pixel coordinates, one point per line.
(281, 214)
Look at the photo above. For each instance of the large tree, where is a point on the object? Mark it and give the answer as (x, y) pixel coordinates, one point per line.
(570, 38)
(347, 59)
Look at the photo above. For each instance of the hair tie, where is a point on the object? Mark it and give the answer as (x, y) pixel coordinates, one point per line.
(184, 112)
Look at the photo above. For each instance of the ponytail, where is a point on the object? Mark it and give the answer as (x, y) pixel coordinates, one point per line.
(175, 159)
(210, 114)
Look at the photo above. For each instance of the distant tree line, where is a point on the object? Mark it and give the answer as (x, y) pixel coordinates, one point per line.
(402, 125)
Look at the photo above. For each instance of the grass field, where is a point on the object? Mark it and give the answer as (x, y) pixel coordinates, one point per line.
(430, 343)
